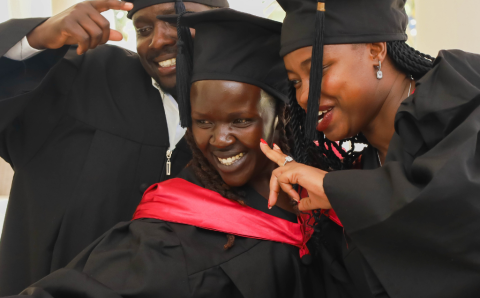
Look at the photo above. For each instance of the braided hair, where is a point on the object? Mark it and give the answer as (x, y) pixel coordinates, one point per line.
(409, 60)
(211, 179)
(324, 155)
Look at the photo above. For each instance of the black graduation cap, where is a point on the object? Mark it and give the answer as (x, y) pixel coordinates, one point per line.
(317, 23)
(233, 46)
(140, 4)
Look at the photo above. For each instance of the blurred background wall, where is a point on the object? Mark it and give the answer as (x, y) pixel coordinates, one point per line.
(433, 25)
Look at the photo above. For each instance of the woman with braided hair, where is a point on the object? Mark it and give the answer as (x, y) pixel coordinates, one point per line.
(402, 220)
(176, 244)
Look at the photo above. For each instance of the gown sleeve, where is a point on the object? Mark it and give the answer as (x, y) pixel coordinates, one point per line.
(142, 258)
(40, 80)
(12, 31)
(416, 220)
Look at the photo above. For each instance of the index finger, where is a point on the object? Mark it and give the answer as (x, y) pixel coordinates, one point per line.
(276, 157)
(102, 6)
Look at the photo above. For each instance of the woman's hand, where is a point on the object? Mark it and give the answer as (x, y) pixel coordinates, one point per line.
(284, 177)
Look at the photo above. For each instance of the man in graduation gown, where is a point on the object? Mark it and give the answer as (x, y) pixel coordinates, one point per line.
(86, 135)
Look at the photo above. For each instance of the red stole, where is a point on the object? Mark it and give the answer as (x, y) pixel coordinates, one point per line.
(179, 201)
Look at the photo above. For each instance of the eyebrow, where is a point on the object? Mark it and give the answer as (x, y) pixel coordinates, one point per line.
(306, 62)
(167, 11)
(303, 64)
(233, 114)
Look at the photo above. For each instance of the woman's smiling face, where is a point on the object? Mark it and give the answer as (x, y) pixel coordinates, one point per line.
(350, 98)
(228, 121)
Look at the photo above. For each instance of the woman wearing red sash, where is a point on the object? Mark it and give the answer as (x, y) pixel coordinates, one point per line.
(209, 232)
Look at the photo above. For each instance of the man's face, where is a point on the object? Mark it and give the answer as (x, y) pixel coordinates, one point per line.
(157, 42)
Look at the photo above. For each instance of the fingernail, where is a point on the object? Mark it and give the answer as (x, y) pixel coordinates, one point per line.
(263, 141)
(269, 207)
(275, 146)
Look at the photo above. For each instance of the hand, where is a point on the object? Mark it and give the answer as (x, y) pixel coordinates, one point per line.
(284, 177)
(80, 24)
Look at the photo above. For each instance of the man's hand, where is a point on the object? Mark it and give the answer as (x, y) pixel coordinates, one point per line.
(80, 24)
(292, 173)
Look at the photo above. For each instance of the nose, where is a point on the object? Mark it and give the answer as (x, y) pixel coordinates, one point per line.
(222, 137)
(164, 35)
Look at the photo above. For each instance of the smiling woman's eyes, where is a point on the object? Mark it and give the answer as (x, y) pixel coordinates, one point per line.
(242, 122)
(203, 122)
(295, 82)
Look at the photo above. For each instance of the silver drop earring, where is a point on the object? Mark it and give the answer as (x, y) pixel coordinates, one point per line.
(379, 72)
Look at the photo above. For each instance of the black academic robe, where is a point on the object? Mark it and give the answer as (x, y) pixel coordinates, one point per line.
(154, 258)
(415, 222)
(86, 136)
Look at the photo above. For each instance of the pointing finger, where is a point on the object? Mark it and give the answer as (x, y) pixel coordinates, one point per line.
(276, 148)
(102, 6)
(275, 156)
(115, 35)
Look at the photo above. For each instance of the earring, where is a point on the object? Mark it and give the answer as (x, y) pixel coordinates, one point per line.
(379, 72)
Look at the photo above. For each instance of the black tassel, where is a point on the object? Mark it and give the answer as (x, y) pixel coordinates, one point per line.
(179, 7)
(315, 79)
(184, 67)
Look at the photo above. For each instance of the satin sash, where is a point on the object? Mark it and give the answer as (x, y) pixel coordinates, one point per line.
(179, 201)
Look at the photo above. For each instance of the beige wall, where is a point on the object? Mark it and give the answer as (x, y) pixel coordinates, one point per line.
(29, 8)
(447, 24)
(61, 5)
(6, 175)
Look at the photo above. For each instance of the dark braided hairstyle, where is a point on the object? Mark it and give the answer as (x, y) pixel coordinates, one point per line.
(406, 59)
(409, 60)
(211, 179)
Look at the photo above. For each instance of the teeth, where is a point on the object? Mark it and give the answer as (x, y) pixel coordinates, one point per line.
(320, 114)
(231, 160)
(168, 63)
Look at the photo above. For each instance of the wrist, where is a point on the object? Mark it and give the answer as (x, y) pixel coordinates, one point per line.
(35, 40)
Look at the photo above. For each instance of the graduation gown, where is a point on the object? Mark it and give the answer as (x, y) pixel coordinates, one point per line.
(154, 258)
(86, 136)
(415, 222)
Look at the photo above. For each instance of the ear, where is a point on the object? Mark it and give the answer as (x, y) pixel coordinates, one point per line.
(378, 52)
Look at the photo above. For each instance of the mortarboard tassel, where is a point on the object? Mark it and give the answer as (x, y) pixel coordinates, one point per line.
(316, 71)
(184, 66)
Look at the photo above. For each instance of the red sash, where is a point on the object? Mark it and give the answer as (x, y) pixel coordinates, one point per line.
(179, 201)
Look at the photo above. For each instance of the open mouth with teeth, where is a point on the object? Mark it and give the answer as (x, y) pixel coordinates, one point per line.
(231, 160)
(168, 63)
(321, 114)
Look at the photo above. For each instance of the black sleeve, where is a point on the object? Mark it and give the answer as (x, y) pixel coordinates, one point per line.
(132, 259)
(12, 31)
(38, 79)
(68, 283)
(416, 220)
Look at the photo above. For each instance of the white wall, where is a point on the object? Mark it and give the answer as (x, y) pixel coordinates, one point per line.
(29, 8)
(446, 24)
